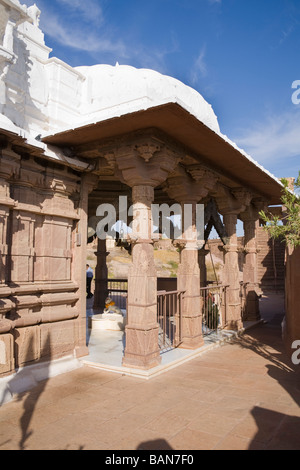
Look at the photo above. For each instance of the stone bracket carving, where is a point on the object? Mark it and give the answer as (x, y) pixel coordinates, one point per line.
(146, 151)
(189, 185)
(232, 201)
(145, 163)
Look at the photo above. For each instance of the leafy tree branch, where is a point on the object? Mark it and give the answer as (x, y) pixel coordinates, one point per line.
(286, 227)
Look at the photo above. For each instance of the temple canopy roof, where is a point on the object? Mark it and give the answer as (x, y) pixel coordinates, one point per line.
(122, 100)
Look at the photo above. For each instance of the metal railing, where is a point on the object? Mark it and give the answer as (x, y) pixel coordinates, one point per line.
(169, 310)
(117, 290)
(169, 306)
(213, 308)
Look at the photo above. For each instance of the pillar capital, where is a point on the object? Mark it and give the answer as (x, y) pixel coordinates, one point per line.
(248, 250)
(190, 184)
(145, 162)
(232, 201)
(203, 176)
(251, 212)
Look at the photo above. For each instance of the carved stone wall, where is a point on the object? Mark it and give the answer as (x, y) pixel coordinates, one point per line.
(41, 260)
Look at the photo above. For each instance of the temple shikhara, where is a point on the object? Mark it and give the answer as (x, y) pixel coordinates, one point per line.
(73, 138)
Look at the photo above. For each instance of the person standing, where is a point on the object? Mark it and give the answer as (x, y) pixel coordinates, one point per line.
(89, 278)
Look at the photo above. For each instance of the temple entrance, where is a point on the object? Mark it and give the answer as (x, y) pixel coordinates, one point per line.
(111, 259)
(131, 173)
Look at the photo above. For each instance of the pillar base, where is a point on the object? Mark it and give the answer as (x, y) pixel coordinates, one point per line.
(192, 343)
(234, 325)
(81, 351)
(192, 337)
(140, 362)
(141, 351)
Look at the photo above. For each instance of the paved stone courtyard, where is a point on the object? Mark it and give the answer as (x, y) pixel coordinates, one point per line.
(244, 395)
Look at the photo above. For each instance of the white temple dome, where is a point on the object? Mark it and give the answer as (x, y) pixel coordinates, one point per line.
(116, 90)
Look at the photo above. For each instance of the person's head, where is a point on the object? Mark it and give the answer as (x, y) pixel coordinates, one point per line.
(87, 265)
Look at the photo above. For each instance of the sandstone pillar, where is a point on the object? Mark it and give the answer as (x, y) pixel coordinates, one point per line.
(144, 163)
(250, 279)
(189, 187)
(141, 349)
(231, 274)
(230, 204)
(79, 260)
(188, 280)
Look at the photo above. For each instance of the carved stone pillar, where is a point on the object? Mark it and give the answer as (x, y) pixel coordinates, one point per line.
(231, 274)
(251, 288)
(101, 275)
(144, 163)
(141, 349)
(231, 203)
(189, 187)
(88, 182)
(188, 280)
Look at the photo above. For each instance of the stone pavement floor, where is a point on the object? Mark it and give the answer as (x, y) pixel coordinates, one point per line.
(244, 395)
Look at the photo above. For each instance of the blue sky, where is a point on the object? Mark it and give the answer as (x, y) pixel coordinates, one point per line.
(241, 55)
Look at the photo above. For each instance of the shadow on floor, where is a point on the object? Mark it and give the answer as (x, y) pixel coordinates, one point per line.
(266, 341)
